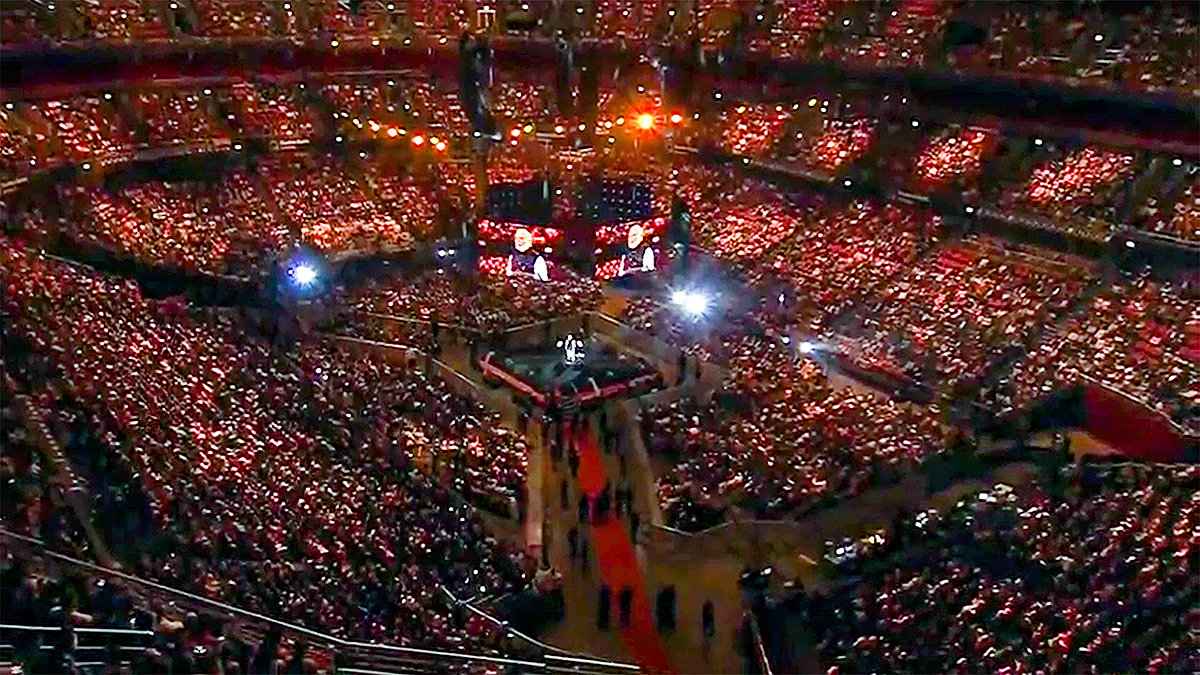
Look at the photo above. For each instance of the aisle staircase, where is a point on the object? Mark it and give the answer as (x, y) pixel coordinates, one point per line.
(73, 486)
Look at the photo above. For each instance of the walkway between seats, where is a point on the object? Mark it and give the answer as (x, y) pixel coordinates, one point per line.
(618, 564)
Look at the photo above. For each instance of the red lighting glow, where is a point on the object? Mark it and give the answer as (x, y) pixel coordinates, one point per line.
(418, 139)
(645, 120)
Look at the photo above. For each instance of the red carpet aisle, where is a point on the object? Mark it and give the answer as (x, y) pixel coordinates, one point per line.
(619, 566)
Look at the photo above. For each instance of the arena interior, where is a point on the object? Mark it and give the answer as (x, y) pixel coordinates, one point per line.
(566, 336)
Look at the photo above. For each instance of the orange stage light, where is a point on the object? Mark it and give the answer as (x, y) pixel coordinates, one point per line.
(645, 120)
(418, 139)
(393, 132)
(676, 118)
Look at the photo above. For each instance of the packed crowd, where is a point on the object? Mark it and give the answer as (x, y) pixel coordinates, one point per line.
(329, 205)
(120, 20)
(179, 116)
(625, 19)
(239, 18)
(106, 127)
(1152, 49)
(409, 197)
(840, 143)
(1138, 336)
(947, 318)
(522, 102)
(730, 329)
(87, 127)
(359, 99)
(287, 482)
(486, 306)
(436, 108)
(956, 156)
(1096, 576)
(805, 444)
(1185, 219)
(752, 220)
(509, 167)
(1083, 187)
(794, 28)
(841, 254)
(222, 227)
(375, 18)
(903, 38)
(752, 130)
(709, 192)
(273, 111)
(20, 150)
(1174, 207)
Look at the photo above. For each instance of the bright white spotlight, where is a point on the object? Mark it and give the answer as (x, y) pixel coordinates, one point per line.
(807, 347)
(693, 303)
(303, 274)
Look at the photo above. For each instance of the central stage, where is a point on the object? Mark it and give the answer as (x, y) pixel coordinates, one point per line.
(572, 372)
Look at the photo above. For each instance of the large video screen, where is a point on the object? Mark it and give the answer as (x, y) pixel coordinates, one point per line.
(630, 247)
(529, 202)
(519, 248)
(519, 237)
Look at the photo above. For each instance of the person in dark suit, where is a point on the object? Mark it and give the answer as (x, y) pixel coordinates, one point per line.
(625, 605)
(604, 608)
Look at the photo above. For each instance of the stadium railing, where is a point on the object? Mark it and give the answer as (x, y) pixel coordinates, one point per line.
(355, 657)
